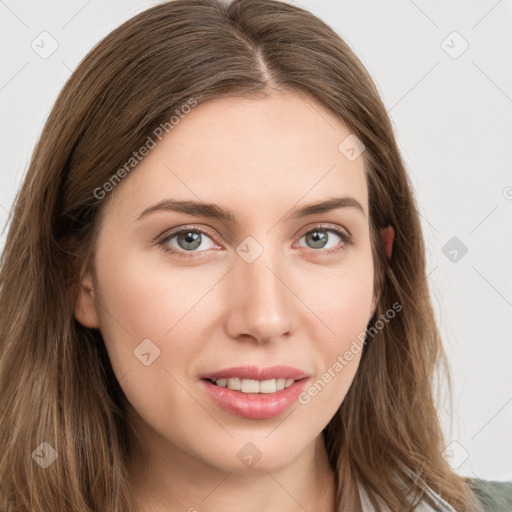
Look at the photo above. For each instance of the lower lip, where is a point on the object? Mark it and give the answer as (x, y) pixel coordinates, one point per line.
(256, 406)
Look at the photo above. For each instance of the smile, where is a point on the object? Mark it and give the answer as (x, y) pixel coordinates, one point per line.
(254, 386)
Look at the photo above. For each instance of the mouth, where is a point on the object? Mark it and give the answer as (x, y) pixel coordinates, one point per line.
(248, 386)
(257, 373)
(255, 393)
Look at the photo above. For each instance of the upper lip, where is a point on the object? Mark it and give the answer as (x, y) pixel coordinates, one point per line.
(258, 373)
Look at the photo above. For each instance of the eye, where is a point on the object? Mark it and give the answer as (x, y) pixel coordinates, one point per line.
(187, 240)
(321, 239)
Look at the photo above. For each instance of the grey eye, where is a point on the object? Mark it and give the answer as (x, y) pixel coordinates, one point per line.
(188, 240)
(318, 238)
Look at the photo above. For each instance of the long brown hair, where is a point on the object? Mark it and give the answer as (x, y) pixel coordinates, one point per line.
(56, 381)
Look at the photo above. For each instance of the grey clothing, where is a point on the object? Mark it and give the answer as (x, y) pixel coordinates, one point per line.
(423, 506)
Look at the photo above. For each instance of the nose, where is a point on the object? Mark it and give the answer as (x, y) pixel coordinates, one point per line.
(260, 303)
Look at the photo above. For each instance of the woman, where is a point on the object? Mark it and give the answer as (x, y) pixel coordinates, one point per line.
(213, 291)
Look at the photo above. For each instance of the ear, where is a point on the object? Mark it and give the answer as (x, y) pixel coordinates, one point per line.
(388, 236)
(85, 308)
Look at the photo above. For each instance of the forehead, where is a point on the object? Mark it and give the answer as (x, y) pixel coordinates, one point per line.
(249, 153)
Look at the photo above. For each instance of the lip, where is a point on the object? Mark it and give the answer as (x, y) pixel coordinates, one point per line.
(258, 373)
(256, 406)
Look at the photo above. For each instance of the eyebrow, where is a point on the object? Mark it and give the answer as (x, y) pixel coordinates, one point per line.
(213, 211)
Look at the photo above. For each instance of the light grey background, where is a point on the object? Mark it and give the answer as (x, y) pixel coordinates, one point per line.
(451, 110)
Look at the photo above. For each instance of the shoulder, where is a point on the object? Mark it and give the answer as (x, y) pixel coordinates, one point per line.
(440, 505)
(494, 496)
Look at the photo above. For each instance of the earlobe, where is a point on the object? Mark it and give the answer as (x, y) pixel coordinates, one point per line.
(388, 236)
(85, 308)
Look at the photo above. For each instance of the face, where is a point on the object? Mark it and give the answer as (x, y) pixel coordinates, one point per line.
(179, 296)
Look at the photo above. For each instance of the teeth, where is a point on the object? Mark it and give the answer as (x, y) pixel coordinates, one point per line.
(255, 386)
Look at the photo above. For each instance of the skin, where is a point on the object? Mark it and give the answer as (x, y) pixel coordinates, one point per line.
(293, 305)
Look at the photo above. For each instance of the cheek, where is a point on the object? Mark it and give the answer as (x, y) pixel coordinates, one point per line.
(341, 298)
(143, 298)
(139, 293)
(148, 323)
(338, 357)
(343, 311)
(346, 305)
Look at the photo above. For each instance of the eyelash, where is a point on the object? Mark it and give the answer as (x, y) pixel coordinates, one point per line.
(346, 239)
